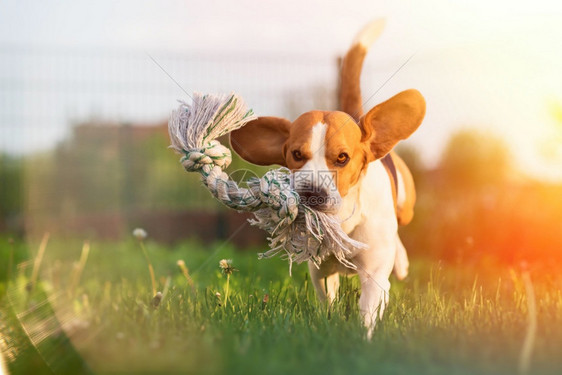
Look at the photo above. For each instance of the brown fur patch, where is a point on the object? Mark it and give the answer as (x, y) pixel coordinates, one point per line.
(350, 89)
(392, 121)
(342, 136)
(405, 212)
(261, 141)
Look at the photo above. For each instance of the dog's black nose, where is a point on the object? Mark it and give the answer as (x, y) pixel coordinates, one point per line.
(317, 199)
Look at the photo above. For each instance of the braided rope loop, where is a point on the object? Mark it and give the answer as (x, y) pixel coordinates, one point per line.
(204, 159)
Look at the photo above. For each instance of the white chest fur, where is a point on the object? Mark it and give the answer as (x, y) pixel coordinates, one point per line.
(369, 203)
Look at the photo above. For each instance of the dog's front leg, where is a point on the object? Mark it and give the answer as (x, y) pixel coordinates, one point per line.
(374, 267)
(325, 279)
(375, 289)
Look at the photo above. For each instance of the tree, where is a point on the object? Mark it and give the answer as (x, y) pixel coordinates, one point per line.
(11, 190)
(473, 159)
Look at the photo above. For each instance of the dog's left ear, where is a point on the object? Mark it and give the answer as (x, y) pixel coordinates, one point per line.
(392, 121)
(261, 141)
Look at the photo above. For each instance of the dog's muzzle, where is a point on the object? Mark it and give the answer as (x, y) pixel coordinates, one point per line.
(320, 199)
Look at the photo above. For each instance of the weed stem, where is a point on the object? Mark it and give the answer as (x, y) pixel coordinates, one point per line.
(150, 268)
(226, 291)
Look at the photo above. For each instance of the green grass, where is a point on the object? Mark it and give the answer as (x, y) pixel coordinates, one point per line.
(444, 319)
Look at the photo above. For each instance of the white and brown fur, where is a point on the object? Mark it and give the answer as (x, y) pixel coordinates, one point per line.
(336, 160)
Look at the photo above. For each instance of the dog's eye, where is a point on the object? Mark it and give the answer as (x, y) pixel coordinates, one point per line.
(342, 159)
(297, 155)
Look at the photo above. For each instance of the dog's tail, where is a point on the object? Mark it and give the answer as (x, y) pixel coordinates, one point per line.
(350, 75)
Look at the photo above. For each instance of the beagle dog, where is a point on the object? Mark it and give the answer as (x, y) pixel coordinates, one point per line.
(343, 163)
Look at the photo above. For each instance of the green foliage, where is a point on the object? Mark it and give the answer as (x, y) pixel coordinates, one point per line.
(53, 354)
(473, 205)
(104, 168)
(11, 186)
(473, 160)
(442, 320)
(113, 169)
(164, 184)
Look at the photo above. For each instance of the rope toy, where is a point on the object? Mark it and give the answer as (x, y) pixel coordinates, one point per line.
(301, 232)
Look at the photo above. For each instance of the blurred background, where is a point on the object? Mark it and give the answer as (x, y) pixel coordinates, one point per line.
(86, 89)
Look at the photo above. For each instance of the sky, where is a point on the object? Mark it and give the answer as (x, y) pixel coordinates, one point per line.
(490, 65)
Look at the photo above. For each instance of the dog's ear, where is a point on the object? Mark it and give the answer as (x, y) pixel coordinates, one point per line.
(261, 141)
(392, 121)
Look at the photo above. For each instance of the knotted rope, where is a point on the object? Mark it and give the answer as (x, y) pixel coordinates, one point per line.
(299, 231)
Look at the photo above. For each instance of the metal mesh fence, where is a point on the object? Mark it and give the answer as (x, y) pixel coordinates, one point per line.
(83, 140)
(44, 91)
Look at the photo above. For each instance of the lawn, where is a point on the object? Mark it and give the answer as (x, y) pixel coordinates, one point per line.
(99, 316)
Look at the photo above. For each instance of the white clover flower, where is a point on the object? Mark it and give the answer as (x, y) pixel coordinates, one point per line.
(226, 266)
(140, 234)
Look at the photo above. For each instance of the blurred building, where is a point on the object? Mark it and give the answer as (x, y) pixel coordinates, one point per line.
(109, 178)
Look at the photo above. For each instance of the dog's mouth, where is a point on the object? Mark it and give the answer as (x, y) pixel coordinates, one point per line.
(320, 201)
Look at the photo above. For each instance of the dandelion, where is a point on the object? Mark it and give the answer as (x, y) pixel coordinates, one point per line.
(227, 269)
(140, 234)
(226, 266)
